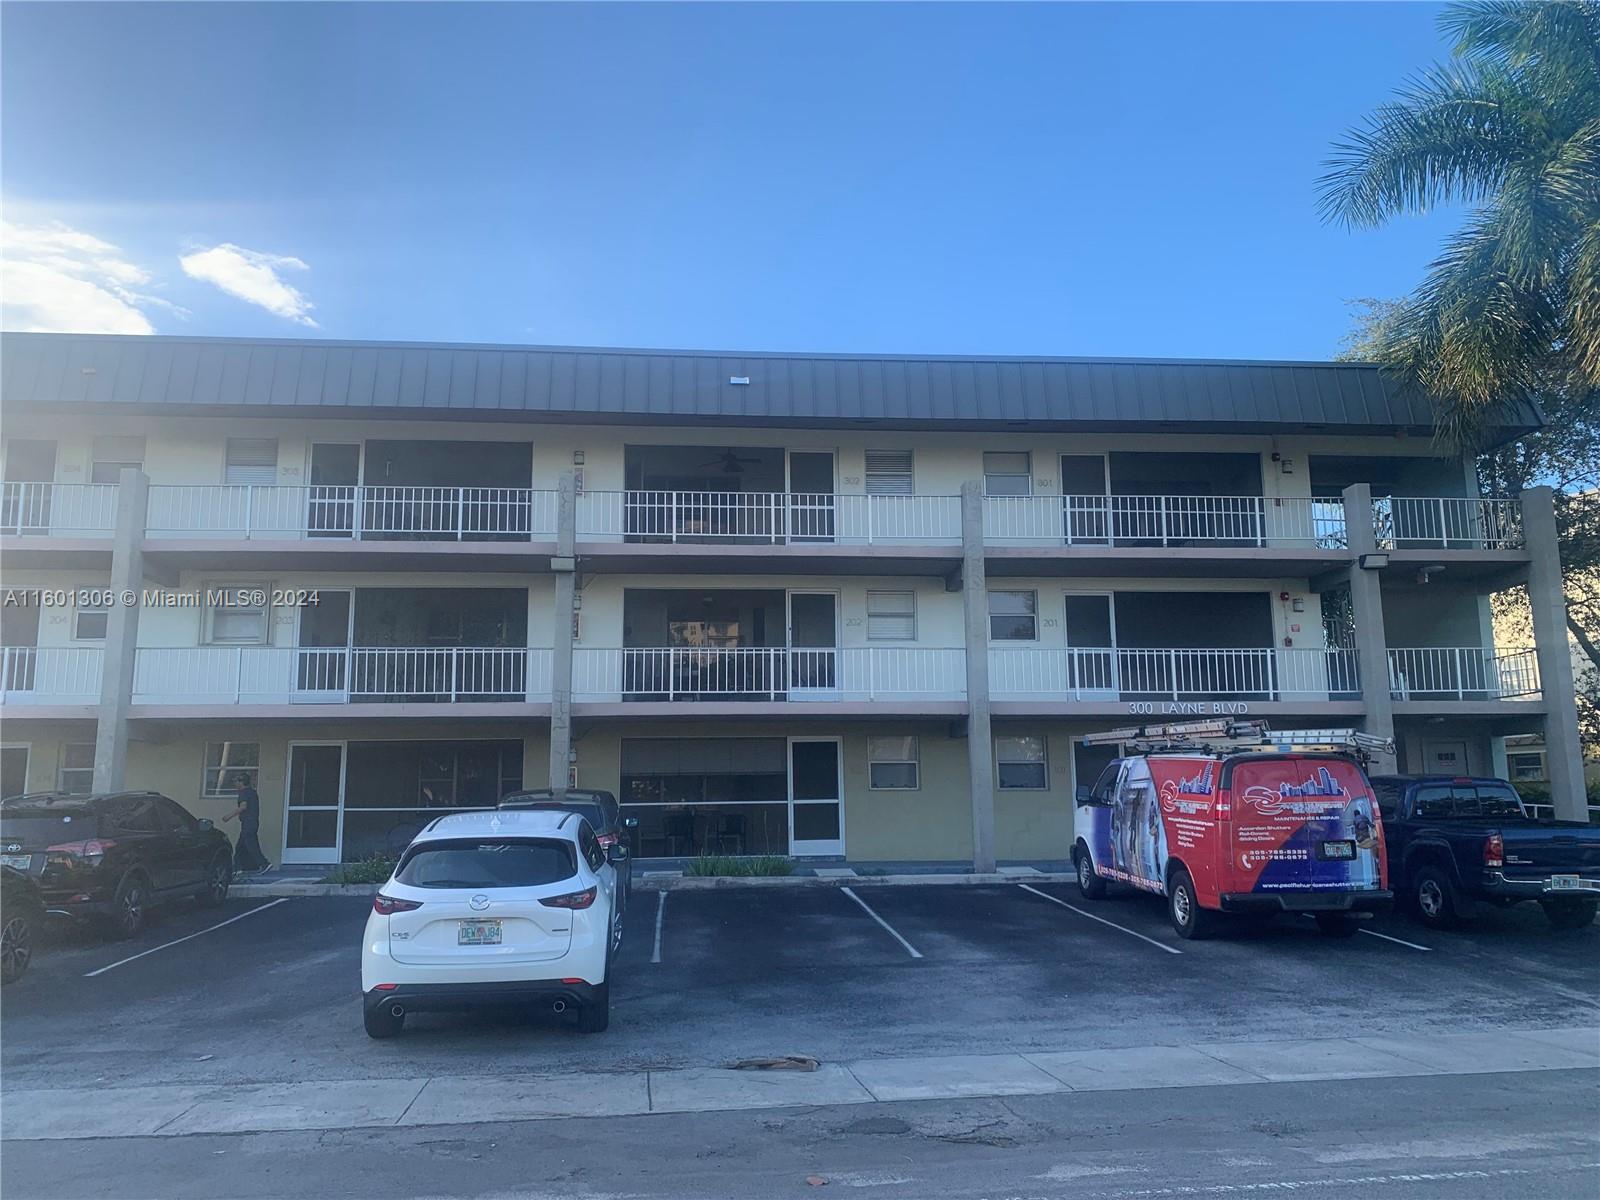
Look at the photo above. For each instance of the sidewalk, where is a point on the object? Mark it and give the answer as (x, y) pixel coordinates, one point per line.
(171, 1111)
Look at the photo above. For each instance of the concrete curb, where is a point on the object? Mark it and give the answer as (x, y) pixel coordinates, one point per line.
(688, 883)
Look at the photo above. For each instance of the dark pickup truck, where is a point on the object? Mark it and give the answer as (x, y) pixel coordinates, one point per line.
(1454, 841)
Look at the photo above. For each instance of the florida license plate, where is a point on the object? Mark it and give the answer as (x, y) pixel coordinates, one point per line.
(17, 862)
(478, 933)
(1340, 849)
(1564, 883)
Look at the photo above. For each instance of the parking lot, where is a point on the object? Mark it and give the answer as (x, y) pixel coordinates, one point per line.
(268, 990)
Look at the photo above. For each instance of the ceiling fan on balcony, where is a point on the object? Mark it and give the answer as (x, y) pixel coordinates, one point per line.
(730, 462)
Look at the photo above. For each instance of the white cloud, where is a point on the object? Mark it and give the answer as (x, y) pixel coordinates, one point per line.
(252, 277)
(57, 279)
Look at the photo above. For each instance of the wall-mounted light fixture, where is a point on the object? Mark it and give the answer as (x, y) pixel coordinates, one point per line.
(1373, 562)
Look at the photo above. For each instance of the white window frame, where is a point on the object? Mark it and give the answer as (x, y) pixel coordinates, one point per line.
(908, 473)
(1538, 755)
(990, 614)
(1043, 762)
(91, 609)
(911, 612)
(226, 770)
(1026, 475)
(915, 763)
(209, 637)
(62, 768)
(228, 463)
(96, 462)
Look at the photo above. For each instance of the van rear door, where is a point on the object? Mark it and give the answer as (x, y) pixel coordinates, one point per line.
(1304, 823)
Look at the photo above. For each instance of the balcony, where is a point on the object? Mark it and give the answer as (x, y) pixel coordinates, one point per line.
(1178, 675)
(1463, 673)
(731, 518)
(206, 675)
(50, 675)
(351, 512)
(767, 673)
(1297, 522)
(1447, 523)
(63, 510)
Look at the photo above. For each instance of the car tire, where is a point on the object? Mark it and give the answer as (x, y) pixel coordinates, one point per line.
(595, 1016)
(130, 906)
(219, 877)
(1090, 884)
(16, 945)
(1337, 925)
(1183, 906)
(1569, 914)
(380, 1022)
(1434, 897)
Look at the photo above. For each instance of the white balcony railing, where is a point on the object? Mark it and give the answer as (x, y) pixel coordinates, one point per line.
(1448, 523)
(768, 518)
(1249, 521)
(767, 673)
(58, 509)
(365, 512)
(1462, 673)
(339, 675)
(50, 674)
(1107, 673)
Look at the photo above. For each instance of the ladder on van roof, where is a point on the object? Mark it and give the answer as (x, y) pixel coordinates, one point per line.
(1239, 737)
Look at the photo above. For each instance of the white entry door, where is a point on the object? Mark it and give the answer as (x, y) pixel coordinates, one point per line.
(1446, 758)
(313, 818)
(813, 645)
(816, 796)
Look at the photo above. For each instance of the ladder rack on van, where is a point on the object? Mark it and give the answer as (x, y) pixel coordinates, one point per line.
(1240, 737)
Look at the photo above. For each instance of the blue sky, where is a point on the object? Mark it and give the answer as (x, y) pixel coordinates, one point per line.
(1071, 179)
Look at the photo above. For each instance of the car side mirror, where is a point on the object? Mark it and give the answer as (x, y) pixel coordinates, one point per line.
(205, 823)
(616, 853)
(630, 822)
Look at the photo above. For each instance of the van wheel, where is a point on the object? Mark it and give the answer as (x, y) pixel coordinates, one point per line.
(1089, 882)
(380, 1022)
(1337, 925)
(1569, 914)
(1183, 906)
(1435, 898)
(595, 1016)
(130, 907)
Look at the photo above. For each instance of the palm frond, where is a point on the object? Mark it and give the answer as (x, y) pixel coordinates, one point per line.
(1560, 40)
(1583, 309)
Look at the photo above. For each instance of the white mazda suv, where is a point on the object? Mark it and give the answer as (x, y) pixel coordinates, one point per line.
(508, 907)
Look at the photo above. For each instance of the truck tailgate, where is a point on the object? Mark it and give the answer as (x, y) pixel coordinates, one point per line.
(1552, 848)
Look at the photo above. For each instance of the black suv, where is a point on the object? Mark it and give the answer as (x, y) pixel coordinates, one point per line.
(113, 856)
(604, 815)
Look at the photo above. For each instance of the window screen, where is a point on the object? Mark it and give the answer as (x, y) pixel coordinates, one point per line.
(239, 620)
(252, 460)
(76, 776)
(892, 763)
(1007, 473)
(112, 454)
(888, 472)
(1020, 763)
(89, 624)
(1014, 616)
(892, 616)
(226, 763)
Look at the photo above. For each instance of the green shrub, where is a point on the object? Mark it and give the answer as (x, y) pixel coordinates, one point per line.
(727, 864)
(375, 868)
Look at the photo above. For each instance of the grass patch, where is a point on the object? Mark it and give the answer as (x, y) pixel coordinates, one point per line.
(375, 868)
(727, 864)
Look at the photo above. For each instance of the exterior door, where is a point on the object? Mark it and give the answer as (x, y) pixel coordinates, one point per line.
(313, 818)
(322, 661)
(13, 770)
(816, 796)
(811, 515)
(30, 467)
(331, 499)
(1085, 499)
(1445, 758)
(1091, 645)
(813, 645)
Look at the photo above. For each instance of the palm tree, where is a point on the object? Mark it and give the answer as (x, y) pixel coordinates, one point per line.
(1511, 125)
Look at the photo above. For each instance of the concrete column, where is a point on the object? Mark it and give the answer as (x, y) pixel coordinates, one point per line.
(980, 743)
(122, 632)
(565, 566)
(1563, 751)
(1366, 602)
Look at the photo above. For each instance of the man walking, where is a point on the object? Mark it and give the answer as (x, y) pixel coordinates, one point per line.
(247, 854)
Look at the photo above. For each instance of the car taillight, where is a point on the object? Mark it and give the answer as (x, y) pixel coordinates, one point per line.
(571, 900)
(384, 905)
(91, 851)
(1494, 851)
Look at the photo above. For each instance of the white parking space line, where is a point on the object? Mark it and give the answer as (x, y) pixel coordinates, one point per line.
(661, 912)
(122, 962)
(1395, 940)
(1130, 932)
(894, 933)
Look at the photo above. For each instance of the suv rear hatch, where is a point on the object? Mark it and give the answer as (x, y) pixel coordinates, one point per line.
(30, 827)
(479, 900)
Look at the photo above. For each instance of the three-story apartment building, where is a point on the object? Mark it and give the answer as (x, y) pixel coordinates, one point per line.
(829, 606)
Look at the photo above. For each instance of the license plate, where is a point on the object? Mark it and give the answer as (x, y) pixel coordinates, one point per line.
(1564, 883)
(17, 862)
(1342, 849)
(478, 933)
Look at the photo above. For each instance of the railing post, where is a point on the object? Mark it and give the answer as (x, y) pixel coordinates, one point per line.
(1444, 523)
(455, 668)
(249, 511)
(1461, 675)
(238, 674)
(672, 515)
(461, 514)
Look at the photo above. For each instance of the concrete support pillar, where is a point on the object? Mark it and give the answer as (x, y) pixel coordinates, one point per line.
(1366, 603)
(122, 632)
(980, 743)
(565, 566)
(1563, 751)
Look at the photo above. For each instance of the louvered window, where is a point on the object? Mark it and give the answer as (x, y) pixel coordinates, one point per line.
(892, 616)
(252, 460)
(888, 472)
